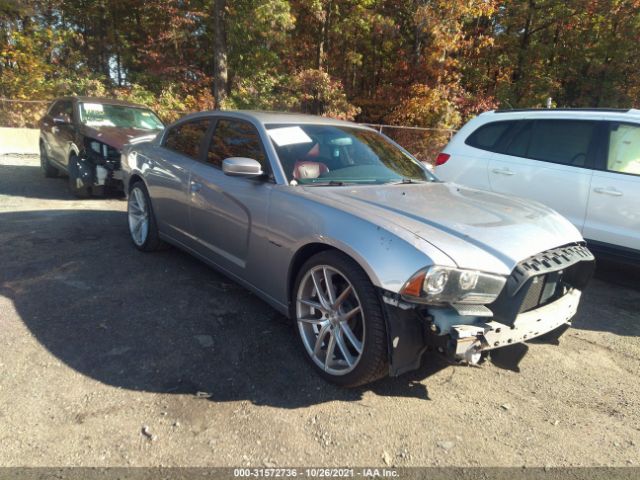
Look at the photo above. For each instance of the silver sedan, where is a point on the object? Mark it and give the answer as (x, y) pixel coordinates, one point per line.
(343, 231)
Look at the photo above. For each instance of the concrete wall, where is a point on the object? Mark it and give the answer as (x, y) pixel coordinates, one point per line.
(19, 140)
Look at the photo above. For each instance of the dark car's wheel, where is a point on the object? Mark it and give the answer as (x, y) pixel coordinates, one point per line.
(339, 319)
(78, 185)
(49, 170)
(142, 222)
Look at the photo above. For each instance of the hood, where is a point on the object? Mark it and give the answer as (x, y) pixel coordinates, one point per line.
(117, 137)
(476, 229)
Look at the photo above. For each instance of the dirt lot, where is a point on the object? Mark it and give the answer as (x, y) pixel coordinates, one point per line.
(100, 341)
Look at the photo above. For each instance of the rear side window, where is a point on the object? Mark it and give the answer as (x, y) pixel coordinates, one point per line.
(235, 138)
(561, 141)
(519, 144)
(487, 136)
(186, 138)
(624, 148)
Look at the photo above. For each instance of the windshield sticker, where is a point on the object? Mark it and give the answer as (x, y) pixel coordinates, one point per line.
(289, 136)
(93, 107)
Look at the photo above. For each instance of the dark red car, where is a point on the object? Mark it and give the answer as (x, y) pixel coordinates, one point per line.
(83, 137)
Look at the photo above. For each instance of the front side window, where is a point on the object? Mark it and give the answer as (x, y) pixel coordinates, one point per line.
(624, 148)
(235, 138)
(105, 115)
(186, 138)
(561, 141)
(62, 107)
(317, 154)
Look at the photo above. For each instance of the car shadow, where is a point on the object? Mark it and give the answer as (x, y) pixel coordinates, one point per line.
(28, 181)
(165, 322)
(159, 322)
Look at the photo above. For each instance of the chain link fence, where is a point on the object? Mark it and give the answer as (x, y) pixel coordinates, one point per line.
(424, 143)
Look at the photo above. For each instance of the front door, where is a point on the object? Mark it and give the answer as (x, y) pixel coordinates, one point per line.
(62, 132)
(613, 214)
(228, 214)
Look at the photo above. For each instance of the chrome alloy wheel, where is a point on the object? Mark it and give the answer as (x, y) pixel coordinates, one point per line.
(138, 216)
(330, 320)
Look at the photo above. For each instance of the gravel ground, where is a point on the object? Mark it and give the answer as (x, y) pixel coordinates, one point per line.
(111, 357)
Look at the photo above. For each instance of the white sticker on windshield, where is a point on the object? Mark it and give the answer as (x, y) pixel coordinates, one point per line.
(289, 136)
(92, 107)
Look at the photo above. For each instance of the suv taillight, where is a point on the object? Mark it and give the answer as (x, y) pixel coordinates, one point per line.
(442, 158)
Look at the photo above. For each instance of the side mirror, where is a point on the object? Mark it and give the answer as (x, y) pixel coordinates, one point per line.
(241, 167)
(62, 119)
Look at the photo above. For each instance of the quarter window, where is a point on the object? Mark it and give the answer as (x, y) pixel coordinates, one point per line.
(186, 138)
(487, 136)
(624, 148)
(235, 138)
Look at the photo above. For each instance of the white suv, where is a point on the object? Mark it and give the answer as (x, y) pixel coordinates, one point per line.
(583, 163)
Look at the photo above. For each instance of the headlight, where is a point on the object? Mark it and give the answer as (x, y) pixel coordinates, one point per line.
(445, 285)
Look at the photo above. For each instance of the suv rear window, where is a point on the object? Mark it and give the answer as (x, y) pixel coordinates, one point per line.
(487, 136)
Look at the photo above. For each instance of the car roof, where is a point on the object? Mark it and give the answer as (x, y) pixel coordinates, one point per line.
(102, 100)
(269, 117)
(565, 113)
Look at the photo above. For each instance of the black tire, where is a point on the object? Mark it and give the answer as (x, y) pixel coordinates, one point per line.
(151, 241)
(48, 170)
(77, 186)
(373, 362)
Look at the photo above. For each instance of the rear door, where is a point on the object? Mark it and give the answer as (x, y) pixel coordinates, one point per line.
(228, 213)
(613, 214)
(169, 168)
(548, 160)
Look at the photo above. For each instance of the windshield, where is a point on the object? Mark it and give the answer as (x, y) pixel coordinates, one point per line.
(105, 115)
(335, 155)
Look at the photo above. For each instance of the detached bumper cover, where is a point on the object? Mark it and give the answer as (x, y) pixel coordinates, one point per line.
(487, 336)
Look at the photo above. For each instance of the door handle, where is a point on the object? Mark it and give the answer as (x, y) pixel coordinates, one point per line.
(608, 191)
(195, 187)
(503, 171)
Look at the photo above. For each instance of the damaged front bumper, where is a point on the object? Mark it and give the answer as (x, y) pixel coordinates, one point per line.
(541, 296)
(468, 341)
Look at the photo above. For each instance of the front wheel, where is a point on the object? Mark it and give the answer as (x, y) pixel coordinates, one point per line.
(339, 319)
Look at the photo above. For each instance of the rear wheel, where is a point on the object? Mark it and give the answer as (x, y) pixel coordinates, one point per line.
(339, 320)
(48, 170)
(142, 222)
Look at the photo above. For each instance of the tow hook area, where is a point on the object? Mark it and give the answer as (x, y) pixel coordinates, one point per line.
(468, 342)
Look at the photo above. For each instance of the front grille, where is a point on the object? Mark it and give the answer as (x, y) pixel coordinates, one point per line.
(543, 278)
